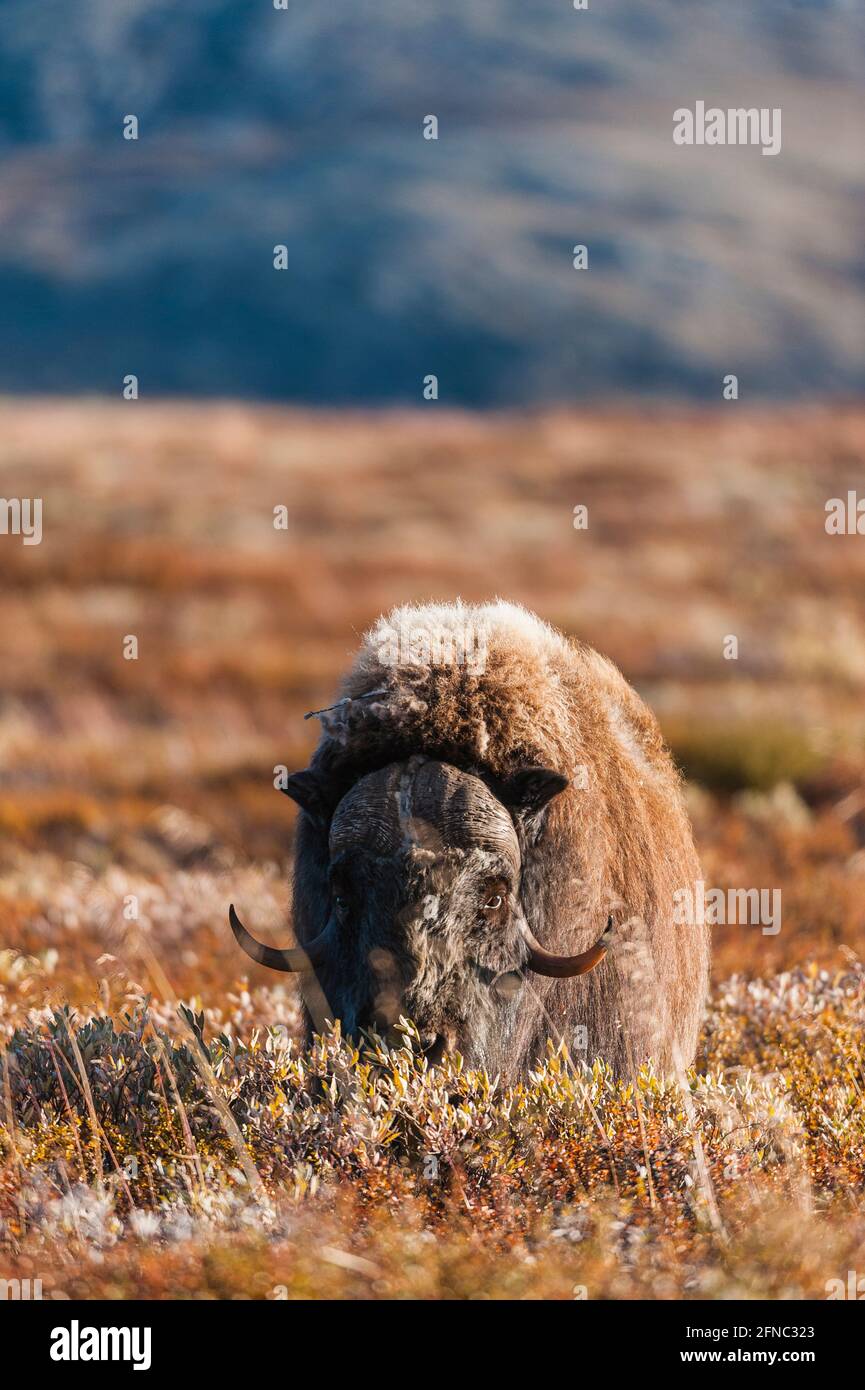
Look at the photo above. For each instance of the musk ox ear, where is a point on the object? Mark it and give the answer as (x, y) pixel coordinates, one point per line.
(526, 792)
(312, 794)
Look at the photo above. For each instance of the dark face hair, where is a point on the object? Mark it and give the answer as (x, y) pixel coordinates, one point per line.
(417, 882)
(424, 884)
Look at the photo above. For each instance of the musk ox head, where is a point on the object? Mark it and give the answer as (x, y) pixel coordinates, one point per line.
(421, 902)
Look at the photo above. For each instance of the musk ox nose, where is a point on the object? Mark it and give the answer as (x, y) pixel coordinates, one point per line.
(434, 1046)
(387, 991)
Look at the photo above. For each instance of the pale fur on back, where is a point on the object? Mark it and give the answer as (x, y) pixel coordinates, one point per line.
(616, 841)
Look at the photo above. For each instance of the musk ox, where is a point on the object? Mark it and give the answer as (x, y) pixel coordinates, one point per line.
(490, 839)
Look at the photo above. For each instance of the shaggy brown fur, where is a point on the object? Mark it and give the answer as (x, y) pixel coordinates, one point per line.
(617, 840)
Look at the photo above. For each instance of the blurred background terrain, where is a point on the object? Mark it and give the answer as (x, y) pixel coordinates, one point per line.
(159, 522)
(302, 127)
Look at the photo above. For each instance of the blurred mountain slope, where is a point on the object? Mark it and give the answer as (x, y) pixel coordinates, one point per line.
(408, 256)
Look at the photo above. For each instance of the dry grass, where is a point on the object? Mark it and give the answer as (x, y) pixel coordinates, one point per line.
(151, 780)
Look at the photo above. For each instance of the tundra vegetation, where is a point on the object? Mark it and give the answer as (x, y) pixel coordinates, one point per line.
(165, 1128)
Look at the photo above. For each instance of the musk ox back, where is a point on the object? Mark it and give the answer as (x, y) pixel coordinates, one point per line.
(486, 799)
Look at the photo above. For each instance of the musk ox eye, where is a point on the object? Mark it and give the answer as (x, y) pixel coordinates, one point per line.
(494, 902)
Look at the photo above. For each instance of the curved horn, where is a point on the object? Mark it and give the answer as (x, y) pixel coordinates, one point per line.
(299, 958)
(562, 967)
